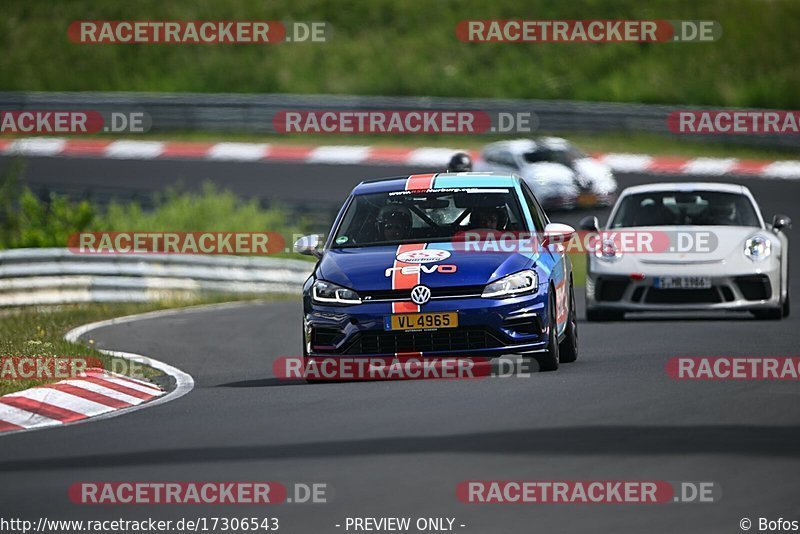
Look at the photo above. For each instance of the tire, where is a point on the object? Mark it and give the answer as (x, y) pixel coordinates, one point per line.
(604, 315)
(786, 308)
(774, 314)
(548, 360)
(568, 349)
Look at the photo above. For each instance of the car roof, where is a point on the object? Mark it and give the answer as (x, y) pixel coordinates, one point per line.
(530, 145)
(443, 180)
(685, 187)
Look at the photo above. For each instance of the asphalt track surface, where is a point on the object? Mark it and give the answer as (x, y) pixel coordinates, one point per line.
(400, 448)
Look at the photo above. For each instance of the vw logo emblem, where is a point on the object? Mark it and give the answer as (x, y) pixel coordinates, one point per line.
(420, 295)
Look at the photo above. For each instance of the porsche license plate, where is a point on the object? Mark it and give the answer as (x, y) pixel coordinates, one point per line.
(682, 282)
(416, 321)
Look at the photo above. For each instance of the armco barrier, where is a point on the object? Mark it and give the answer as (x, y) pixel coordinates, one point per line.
(58, 276)
(254, 112)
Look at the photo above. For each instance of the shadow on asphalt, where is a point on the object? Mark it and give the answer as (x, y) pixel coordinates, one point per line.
(737, 440)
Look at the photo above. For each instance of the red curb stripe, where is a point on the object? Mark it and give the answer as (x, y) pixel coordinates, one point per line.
(389, 154)
(6, 427)
(186, 150)
(43, 408)
(672, 165)
(89, 395)
(85, 148)
(118, 387)
(749, 167)
(289, 152)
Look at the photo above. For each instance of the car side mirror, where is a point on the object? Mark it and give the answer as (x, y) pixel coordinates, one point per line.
(590, 224)
(781, 222)
(309, 245)
(557, 233)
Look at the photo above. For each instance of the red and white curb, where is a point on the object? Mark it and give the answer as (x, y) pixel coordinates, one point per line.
(94, 393)
(368, 155)
(99, 395)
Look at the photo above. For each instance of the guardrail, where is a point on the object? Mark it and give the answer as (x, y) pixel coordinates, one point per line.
(58, 276)
(254, 112)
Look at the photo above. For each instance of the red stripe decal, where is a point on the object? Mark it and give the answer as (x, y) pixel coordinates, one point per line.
(42, 408)
(417, 182)
(89, 395)
(405, 281)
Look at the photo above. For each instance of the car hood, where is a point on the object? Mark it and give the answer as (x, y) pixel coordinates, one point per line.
(722, 242)
(364, 268)
(547, 173)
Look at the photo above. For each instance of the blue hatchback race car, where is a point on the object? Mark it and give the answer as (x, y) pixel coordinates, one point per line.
(455, 265)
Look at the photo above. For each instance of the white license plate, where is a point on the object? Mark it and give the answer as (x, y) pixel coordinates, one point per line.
(682, 282)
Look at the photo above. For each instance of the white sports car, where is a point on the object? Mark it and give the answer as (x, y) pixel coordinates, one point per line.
(560, 174)
(687, 246)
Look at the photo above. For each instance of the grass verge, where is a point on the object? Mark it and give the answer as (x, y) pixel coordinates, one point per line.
(39, 332)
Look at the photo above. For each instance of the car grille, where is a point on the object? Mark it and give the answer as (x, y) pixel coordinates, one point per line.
(446, 339)
(436, 292)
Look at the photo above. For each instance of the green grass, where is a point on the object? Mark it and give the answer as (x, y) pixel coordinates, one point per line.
(396, 47)
(39, 332)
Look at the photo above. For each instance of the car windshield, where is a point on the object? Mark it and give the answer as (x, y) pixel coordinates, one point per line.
(566, 156)
(673, 208)
(429, 216)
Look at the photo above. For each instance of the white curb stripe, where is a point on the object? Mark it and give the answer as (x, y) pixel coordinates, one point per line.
(238, 151)
(434, 157)
(134, 149)
(628, 162)
(782, 169)
(24, 418)
(37, 147)
(711, 166)
(339, 154)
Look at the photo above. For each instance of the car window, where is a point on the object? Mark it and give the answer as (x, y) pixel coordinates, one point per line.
(539, 218)
(679, 208)
(427, 216)
(502, 157)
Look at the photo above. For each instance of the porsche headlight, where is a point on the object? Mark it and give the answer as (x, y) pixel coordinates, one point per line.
(758, 248)
(512, 285)
(328, 293)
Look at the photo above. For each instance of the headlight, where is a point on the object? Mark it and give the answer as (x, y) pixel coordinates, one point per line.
(758, 248)
(327, 293)
(607, 250)
(511, 285)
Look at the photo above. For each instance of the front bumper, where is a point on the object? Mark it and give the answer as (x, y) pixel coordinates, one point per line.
(486, 328)
(611, 288)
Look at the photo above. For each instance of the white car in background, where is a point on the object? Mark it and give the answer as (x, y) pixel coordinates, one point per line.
(561, 175)
(713, 251)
